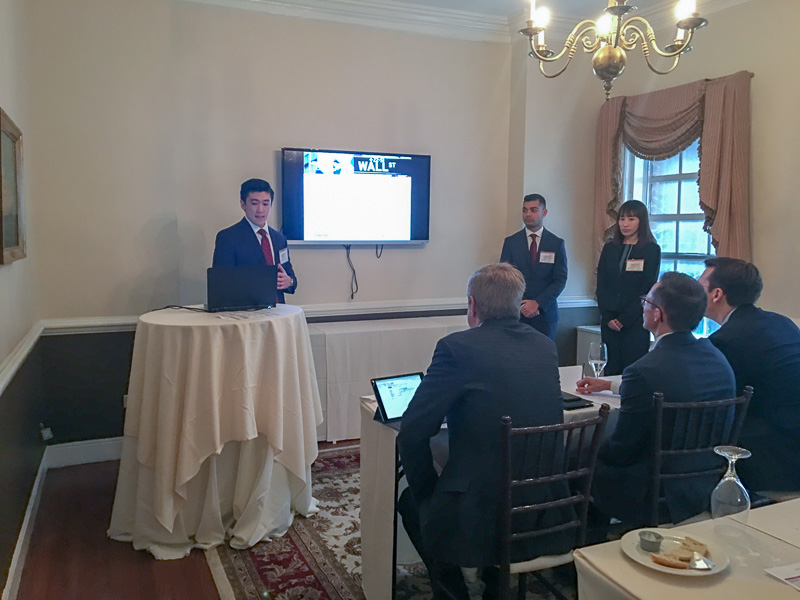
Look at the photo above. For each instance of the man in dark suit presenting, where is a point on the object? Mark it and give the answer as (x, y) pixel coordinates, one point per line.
(764, 350)
(542, 259)
(251, 242)
(684, 369)
(497, 367)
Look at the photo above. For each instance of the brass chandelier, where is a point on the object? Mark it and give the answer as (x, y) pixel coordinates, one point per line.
(610, 36)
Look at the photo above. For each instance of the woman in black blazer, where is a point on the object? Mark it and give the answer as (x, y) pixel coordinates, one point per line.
(628, 268)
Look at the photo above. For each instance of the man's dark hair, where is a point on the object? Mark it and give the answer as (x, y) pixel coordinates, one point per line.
(534, 198)
(256, 185)
(682, 300)
(739, 279)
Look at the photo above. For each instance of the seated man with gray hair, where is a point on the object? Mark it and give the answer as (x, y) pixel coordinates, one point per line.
(497, 367)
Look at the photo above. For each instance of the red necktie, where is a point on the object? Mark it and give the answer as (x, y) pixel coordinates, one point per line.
(534, 250)
(265, 247)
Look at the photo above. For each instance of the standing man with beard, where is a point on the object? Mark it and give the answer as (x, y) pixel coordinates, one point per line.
(542, 259)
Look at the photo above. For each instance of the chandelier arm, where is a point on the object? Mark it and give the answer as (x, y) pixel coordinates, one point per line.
(651, 36)
(570, 45)
(675, 60)
(637, 34)
(557, 73)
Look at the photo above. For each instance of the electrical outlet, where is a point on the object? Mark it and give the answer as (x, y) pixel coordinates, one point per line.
(47, 433)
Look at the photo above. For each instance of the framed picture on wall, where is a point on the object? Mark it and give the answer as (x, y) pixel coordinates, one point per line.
(12, 230)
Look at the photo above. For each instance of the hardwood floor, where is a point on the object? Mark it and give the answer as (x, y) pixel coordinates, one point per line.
(70, 557)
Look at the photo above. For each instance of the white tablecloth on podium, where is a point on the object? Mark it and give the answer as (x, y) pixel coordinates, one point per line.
(220, 430)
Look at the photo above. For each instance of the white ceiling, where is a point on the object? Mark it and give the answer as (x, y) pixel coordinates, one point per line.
(578, 9)
(477, 20)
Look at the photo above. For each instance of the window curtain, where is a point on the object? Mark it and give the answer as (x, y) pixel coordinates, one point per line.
(661, 124)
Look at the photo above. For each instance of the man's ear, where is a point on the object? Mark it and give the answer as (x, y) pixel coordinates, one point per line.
(472, 312)
(717, 295)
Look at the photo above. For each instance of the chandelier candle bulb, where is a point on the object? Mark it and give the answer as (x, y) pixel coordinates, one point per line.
(533, 10)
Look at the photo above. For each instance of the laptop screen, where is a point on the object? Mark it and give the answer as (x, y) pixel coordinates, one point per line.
(241, 288)
(394, 394)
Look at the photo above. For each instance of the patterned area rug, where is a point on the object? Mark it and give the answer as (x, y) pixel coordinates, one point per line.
(320, 557)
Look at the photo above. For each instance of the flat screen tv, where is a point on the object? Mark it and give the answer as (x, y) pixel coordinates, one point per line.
(341, 197)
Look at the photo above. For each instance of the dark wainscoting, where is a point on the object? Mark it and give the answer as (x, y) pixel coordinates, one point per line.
(567, 335)
(21, 450)
(86, 377)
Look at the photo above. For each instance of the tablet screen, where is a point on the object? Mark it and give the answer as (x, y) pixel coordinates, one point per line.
(395, 393)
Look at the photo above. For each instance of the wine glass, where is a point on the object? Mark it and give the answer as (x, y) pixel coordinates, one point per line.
(730, 497)
(597, 357)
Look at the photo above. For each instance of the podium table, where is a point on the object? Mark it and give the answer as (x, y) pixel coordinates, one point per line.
(220, 430)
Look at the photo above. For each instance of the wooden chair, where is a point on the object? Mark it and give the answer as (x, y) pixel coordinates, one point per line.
(546, 457)
(691, 430)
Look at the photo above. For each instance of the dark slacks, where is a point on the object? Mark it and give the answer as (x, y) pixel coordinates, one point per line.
(624, 347)
(441, 574)
(541, 324)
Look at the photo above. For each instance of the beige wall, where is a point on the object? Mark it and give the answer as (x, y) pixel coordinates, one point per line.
(559, 150)
(151, 113)
(18, 301)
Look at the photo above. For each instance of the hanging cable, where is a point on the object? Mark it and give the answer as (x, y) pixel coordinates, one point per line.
(378, 253)
(353, 278)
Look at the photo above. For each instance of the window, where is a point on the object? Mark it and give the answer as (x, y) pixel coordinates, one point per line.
(669, 189)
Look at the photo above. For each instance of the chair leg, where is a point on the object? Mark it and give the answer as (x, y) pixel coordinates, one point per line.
(522, 586)
(546, 583)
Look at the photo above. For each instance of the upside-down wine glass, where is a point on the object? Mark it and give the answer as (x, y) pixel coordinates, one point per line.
(730, 497)
(597, 357)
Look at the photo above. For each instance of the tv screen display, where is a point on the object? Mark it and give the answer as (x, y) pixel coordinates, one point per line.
(340, 197)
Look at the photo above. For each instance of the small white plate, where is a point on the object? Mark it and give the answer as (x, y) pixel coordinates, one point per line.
(672, 540)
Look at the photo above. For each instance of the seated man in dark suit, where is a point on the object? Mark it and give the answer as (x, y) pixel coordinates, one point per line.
(764, 350)
(497, 367)
(684, 369)
(251, 242)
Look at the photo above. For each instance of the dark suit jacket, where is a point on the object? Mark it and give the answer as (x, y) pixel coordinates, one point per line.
(618, 291)
(684, 369)
(501, 368)
(237, 246)
(543, 282)
(764, 350)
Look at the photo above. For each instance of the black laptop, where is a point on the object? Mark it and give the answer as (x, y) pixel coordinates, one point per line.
(393, 395)
(241, 288)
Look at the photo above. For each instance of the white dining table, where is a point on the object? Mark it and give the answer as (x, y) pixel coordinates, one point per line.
(767, 538)
(380, 489)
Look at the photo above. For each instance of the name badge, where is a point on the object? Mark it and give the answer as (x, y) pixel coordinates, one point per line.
(547, 257)
(636, 264)
(283, 255)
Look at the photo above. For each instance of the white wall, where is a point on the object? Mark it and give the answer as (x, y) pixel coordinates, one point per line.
(18, 300)
(151, 113)
(559, 155)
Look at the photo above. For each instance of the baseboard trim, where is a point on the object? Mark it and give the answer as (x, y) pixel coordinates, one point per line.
(11, 588)
(54, 457)
(81, 453)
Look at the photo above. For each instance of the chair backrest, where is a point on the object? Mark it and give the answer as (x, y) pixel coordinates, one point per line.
(548, 457)
(691, 429)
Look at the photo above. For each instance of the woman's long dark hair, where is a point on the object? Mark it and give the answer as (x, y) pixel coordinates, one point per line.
(637, 209)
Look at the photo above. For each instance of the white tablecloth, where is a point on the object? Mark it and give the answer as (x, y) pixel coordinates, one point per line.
(605, 573)
(220, 430)
(357, 351)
